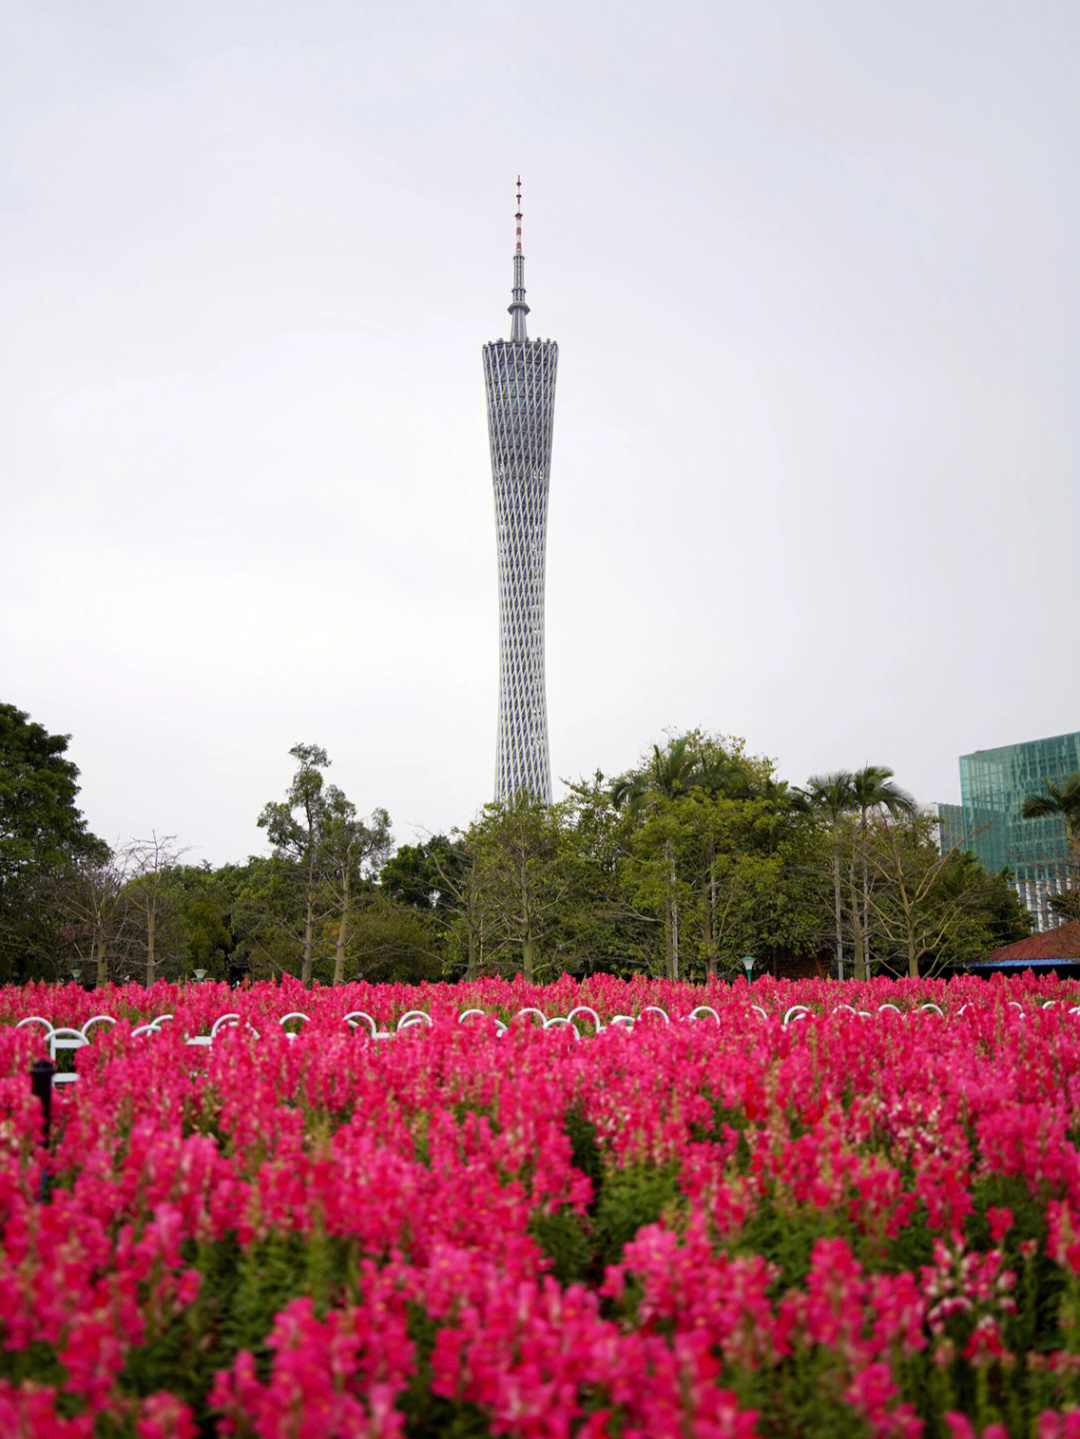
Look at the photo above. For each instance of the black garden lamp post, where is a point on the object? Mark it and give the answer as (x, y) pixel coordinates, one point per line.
(41, 1086)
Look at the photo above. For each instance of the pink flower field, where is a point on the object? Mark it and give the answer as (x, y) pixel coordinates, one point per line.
(784, 1209)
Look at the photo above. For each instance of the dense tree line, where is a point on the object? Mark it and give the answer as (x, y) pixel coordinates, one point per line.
(695, 858)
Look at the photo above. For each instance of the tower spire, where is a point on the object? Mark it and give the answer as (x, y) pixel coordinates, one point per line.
(518, 307)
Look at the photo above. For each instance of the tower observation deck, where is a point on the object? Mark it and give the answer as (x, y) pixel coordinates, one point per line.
(520, 379)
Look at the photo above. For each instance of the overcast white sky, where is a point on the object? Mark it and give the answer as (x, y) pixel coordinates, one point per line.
(813, 270)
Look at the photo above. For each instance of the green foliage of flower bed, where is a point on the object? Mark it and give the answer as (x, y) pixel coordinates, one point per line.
(833, 1225)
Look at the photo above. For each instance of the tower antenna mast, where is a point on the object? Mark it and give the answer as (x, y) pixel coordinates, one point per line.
(518, 307)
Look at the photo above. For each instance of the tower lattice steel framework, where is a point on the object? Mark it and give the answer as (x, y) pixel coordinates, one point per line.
(520, 379)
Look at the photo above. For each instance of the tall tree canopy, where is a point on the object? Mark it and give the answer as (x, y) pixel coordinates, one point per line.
(42, 830)
(321, 843)
(717, 851)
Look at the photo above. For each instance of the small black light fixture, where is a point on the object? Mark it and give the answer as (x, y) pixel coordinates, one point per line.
(41, 1085)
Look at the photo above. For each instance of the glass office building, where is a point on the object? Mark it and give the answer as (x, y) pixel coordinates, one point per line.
(994, 783)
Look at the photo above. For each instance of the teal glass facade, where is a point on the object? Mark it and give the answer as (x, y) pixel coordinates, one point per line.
(994, 783)
(951, 819)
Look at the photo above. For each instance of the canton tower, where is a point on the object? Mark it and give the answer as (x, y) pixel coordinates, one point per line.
(520, 377)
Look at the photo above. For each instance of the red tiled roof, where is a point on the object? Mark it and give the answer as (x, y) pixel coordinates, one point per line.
(1060, 943)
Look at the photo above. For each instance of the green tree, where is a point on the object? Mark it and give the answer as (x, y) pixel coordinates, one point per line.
(1006, 918)
(833, 797)
(646, 795)
(763, 893)
(294, 827)
(327, 852)
(748, 823)
(718, 783)
(99, 928)
(268, 915)
(519, 884)
(933, 909)
(600, 924)
(706, 836)
(414, 875)
(872, 793)
(149, 865)
(42, 834)
(440, 882)
(352, 851)
(658, 869)
(204, 900)
(391, 943)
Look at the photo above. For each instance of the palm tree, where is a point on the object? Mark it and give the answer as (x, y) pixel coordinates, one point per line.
(834, 796)
(1063, 800)
(667, 774)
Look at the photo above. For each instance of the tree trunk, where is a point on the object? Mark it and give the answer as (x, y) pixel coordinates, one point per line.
(858, 960)
(343, 929)
(471, 967)
(102, 960)
(475, 937)
(706, 930)
(527, 958)
(309, 901)
(526, 929)
(309, 925)
(151, 925)
(709, 904)
(839, 913)
(673, 915)
(866, 907)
